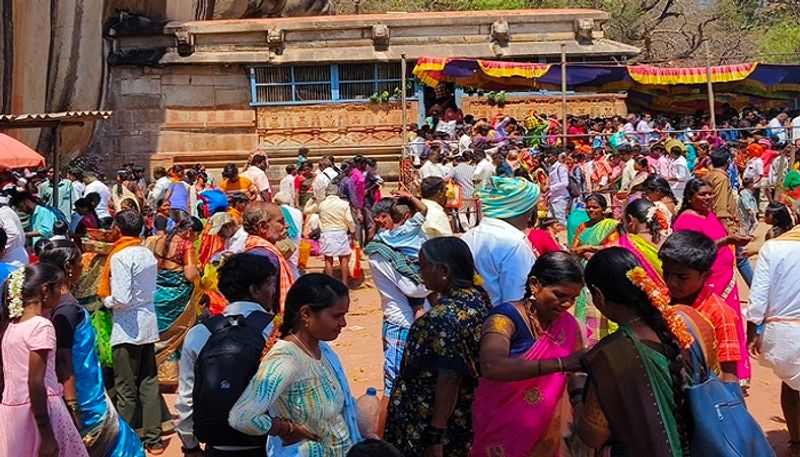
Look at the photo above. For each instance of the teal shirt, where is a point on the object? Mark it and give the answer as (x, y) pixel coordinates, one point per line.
(66, 197)
(42, 221)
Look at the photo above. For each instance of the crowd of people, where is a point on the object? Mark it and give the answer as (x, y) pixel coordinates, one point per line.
(539, 298)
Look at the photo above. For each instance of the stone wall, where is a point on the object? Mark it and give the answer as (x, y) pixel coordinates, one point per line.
(202, 113)
(177, 114)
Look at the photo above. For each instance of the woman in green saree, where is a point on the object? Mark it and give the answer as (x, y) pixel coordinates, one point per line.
(176, 296)
(632, 400)
(596, 233)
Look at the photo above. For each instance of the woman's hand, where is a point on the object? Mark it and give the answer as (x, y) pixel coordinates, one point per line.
(299, 433)
(49, 445)
(584, 249)
(437, 450)
(738, 240)
(572, 363)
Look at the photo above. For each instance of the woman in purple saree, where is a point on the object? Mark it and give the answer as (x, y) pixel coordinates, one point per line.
(527, 349)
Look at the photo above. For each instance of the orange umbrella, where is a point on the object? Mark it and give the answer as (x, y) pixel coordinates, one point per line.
(15, 154)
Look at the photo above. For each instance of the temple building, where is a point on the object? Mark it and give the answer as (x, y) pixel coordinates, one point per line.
(214, 91)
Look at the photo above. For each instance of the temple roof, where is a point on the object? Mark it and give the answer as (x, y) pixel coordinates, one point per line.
(379, 37)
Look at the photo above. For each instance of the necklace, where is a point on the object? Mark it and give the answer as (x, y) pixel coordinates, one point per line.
(533, 321)
(305, 348)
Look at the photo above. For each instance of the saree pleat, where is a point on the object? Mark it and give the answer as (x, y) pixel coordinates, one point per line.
(522, 418)
(104, 432)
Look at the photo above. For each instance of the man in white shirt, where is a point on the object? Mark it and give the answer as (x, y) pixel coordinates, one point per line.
(239, 278)
(160, 186)
(135, 330)
(324, 178)
(287, 184)
(503, 254)
(434, 195)
(484, 170)
(773, 319)
(796, 128)
(462, 175)
(644, 129)
(256, 173)
(432, 167)
(629, 129)
(94, 185)
(558, 178)
(629, 168)
(777, 126)
(15, 252)
(679, 173)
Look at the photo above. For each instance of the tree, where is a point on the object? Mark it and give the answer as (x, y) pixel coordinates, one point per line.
(683, 32)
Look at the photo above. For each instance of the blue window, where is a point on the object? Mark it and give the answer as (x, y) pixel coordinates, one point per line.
(292, 85)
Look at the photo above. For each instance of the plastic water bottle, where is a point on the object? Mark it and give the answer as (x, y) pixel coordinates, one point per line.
(368, 407)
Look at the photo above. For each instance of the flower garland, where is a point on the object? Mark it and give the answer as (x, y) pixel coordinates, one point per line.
(15, 293)
(274, 335)
(656, 214)
(659, 297)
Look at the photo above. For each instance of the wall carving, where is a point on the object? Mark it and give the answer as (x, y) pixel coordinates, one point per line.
(375, 124)
(595, 105)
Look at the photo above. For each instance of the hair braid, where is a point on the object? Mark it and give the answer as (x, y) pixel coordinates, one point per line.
(677, 371)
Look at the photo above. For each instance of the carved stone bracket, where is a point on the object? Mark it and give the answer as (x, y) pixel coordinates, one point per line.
(501, 33)
(184, 42)
(583, 30)
(275, 41)
(380, 36)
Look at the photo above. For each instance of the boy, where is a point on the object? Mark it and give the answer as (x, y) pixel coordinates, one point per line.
(687, 257)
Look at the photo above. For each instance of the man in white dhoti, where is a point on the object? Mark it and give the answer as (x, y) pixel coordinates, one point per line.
(773, 321)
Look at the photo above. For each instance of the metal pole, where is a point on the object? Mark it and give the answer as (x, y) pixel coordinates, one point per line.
(564, 96)
(711, 104)
(403, 97)
(56, 164)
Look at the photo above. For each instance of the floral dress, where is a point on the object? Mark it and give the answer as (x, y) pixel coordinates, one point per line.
(446, 339)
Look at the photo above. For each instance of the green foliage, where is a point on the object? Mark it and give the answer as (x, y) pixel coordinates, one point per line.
(779, 41)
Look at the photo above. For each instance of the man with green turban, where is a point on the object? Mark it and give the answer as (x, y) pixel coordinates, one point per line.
(503, 255)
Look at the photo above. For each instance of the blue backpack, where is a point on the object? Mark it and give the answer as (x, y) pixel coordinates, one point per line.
(722, 425)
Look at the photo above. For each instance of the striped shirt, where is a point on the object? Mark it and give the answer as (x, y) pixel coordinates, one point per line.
(462, 174)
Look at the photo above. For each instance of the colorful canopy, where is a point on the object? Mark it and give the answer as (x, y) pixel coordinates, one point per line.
(494, 75)
(15, 154)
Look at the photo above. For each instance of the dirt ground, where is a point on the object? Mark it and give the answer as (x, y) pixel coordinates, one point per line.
(360, 350)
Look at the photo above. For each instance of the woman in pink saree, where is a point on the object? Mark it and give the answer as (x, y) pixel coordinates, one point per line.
(527, 349)
(696, 215)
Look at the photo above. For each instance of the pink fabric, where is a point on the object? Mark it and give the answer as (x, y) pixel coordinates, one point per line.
(722, 274)
(521, 418)
(543, 241)
(625, 242)
(19, 435)
(359, 182)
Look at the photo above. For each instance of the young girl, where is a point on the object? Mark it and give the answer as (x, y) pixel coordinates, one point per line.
(78, 366)
(35, 418)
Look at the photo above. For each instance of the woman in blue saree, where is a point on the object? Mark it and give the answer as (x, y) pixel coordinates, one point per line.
(176, 296)
(104, 433)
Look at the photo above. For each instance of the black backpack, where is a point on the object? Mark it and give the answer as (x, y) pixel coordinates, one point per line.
(224, 368)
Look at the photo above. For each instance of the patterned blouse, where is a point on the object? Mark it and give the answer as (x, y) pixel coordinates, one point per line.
(293, 386)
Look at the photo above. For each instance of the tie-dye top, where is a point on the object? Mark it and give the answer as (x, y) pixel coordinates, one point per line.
(293, 386)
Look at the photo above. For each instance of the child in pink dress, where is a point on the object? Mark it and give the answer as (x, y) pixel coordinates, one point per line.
(35, 419)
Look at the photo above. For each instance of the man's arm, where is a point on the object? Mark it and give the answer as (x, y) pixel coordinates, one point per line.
(121, 285)
(195, 340)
